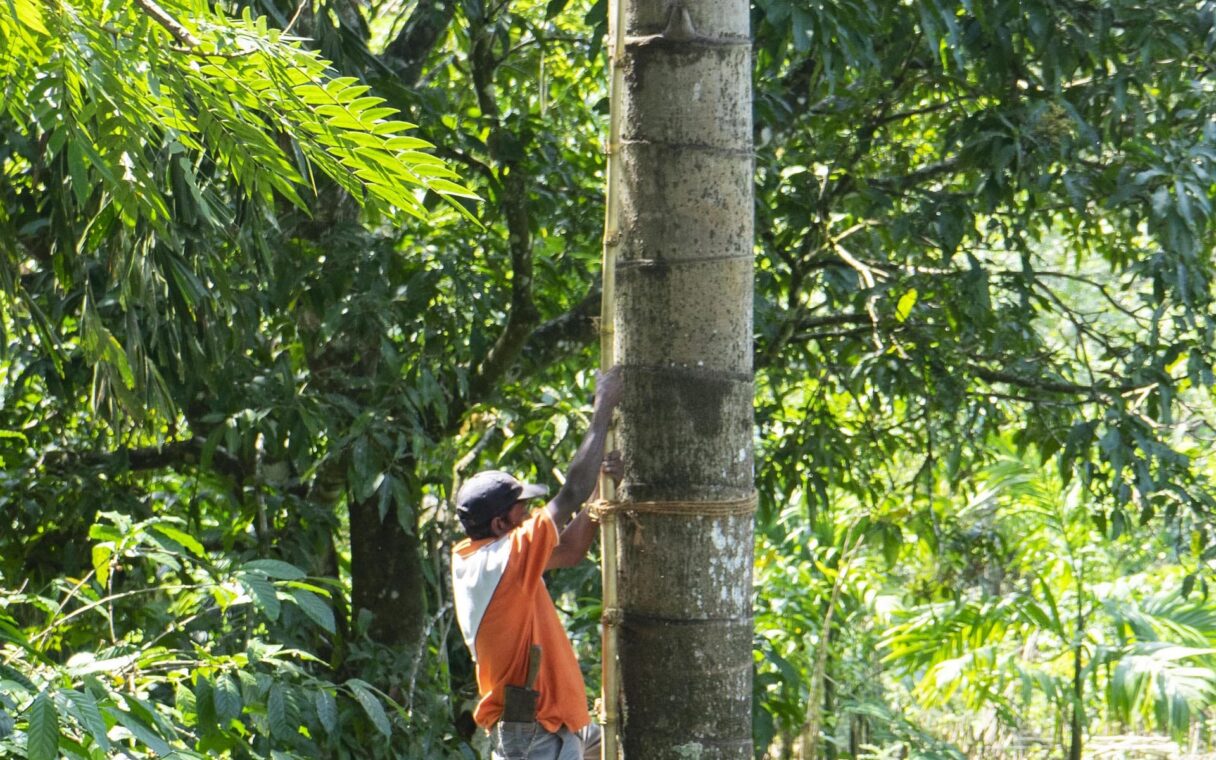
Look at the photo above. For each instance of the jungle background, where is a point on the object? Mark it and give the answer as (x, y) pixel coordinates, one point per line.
(275, 276)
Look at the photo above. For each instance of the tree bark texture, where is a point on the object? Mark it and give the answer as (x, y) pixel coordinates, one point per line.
(684, 336)
(386, 576)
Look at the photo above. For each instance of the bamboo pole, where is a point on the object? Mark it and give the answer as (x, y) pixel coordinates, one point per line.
(610, 696)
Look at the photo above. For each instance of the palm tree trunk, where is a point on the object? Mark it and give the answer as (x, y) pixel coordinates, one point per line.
(683, 334)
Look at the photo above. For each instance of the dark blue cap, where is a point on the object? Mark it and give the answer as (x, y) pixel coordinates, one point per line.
(489, 494)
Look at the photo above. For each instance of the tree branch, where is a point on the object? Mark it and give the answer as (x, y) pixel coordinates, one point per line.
(174, 27)
(523, 314)
(547, 344)
(176, 454)
(1053, 386)
(408, 51)
(565, 334)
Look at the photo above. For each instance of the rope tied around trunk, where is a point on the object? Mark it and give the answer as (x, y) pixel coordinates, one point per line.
(603, 509)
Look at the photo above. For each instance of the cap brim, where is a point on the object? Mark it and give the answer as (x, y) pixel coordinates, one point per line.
(533, 491)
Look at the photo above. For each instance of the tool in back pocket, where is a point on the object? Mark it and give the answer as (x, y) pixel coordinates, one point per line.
(519, 702)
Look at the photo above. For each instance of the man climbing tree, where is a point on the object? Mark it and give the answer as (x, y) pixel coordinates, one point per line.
(533, 699)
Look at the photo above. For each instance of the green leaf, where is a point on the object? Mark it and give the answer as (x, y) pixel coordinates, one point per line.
(275, 569)
(143, 732)
(802, 30)
(276, 712)
(327, 710)
(315, 608)
(184, 700)
(189, 542)
(13, 435)
(89, 715)
(264, 593)
(227, 699)
(101, 562)
(43, 737)
(371, 705)
(10, 632)
(100, 532)
(204, 705)
(904, 307)
(29, 14)
(6, 724)
(16, 676)
(450, 188)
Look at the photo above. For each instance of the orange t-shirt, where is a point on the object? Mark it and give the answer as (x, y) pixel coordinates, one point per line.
(519, 614)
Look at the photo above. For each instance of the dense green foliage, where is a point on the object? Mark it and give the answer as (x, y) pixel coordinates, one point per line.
(249, 350)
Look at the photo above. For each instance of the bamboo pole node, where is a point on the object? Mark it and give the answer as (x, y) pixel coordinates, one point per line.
(605, 510)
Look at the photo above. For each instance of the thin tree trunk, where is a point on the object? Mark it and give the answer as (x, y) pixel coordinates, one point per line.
(1078, 690)
(684, 306)
(1078, 682)
(819, 679)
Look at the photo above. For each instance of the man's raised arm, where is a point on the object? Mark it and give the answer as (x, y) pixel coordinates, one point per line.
(585, 467)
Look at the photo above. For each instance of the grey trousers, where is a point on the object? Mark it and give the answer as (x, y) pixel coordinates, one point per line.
(530, 741)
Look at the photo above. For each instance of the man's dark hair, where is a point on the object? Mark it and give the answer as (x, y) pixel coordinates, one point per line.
(479, 531)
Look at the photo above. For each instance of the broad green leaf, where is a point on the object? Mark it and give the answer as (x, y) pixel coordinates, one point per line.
(189, 542)
(17, 678)
(802, 29)
(450, 188)
(86, 711)
(275, 569)
(144, 733)
(42, 740)
(226, 697)
(406, 143)
(264, 593)
(79, 173)
(184, 699)
(327, 710)
(30, 14)
(315, 608)
(371, 705)
(392, 127)
(276, 712)
(204, 705)
(102, 532)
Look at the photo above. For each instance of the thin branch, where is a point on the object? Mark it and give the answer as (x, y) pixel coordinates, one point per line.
(545, 345)
(915, 177)
(295, 17)
(565, 334)
(424, 30)
(523, 315)
(176, 454)
(1054, 386)
(1037, 400)
(462, 157)
(174, 27)
(1100, 287)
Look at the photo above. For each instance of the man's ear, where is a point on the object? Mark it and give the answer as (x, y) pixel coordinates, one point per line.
(499, 526)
